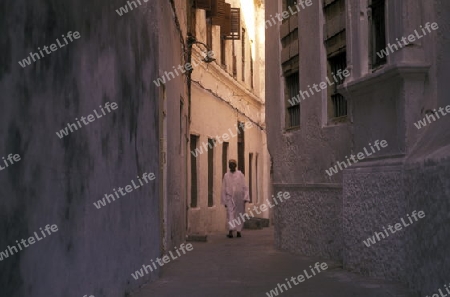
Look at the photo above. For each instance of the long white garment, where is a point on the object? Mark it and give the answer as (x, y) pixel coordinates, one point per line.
(234, 195)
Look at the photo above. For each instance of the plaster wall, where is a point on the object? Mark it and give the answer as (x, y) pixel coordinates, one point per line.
(218, 102)
(57, 180)
(175, 104)
(301, 156)
(213, 117)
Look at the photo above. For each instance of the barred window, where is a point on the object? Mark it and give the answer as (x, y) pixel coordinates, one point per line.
(293, 111)
(378, 31)
(194, 167)
(335, 45)
(338, 64)
(289, 3)
(211, 145)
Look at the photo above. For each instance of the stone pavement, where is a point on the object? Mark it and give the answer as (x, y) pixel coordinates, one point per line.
(250, 266)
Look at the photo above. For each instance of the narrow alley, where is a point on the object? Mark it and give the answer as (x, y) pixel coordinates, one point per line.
(251, 266)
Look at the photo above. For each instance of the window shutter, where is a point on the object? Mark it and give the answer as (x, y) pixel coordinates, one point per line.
(334, 18)
(225, 26)
(203, 4)
(218, 12)
(234, 66)
(213, 11)
(335, 24)
(235, 33)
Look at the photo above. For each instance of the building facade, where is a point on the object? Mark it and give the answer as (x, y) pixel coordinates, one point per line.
(227, 111)
(345, 75)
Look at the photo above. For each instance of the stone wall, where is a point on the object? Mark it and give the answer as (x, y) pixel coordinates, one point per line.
(310, 222)
(427, 186)
(175, 106)
(373, 199)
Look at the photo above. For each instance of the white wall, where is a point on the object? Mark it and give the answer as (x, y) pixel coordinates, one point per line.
(218, 102)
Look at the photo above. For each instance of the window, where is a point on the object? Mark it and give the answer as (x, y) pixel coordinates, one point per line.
(211, 144)
(250, 175)
(256, 179)
(220, 13)
(235, 24)
(234, 67)
(234, 63)
(290, 67)
(378, 31)
(182, 128)
(194, 192)
(293, 111)
(223, 15)
(224, 158)
(289, 3)
(289, 51)
(241, 147)
(203, 4)
(225, 25)
(337, 103)
(335, 24)
(252, 83)
(291, 38)
(336, 47)
(243, 54)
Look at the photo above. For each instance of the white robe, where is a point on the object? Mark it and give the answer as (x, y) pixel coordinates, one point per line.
(234, 195)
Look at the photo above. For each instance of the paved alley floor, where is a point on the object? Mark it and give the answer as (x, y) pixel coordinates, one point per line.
(250, 266)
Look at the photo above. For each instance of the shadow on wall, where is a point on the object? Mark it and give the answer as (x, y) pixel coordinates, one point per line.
(57, 180)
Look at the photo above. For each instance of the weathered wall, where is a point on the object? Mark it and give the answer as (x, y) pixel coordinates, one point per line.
(428, 187)
(373, 199)
(175, 122)
(57, 180)
(300, 156)
(310, 204)
(427, 179)
(412, 173)
(415, 175)
(219, 101)
(378, 197)
(204, 219)
(207, 124)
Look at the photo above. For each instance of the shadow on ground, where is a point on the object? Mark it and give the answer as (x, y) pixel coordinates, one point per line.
(250, 266)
